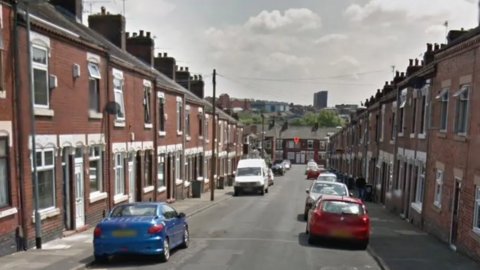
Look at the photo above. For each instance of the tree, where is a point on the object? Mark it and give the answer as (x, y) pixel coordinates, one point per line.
(325, 119)
(248, 118)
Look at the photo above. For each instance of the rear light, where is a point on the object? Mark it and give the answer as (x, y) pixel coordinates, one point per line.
(97, 231)
(364, 219)
(155, 228)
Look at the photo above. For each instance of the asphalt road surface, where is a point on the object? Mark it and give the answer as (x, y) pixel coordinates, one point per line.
(255, 232)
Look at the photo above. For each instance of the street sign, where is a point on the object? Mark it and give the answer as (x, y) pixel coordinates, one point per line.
(296, 139)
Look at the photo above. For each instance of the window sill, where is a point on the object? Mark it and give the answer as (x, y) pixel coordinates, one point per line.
(178, 182)
(400, 135)
(392, 142)
(119, 124)
(8, 212)
(441, 134)
(476, 230)
(437, 205)
(199, 178)
(162, 133)
(460, 137)
(95, 115)
(148, 126)
(3, 94)
(422, 136)
(417, 207)
(161, 189)
(200, 138)
(47, 213)
(381, 140)
(120, 198)
(97, 196)
(179, 133)
(43, 112)
(187, 184)
(207, 140)
(413, 135)
(188, 138)
(148, 189)
(206, 180)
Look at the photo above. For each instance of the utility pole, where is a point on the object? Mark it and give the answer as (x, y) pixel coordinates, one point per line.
(263, 135)
(214, 138)
(38, 222)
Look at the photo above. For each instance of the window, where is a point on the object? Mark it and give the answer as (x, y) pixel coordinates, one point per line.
(323, 146)
(138, 210)
(147, 113)
(118, 93)
(119, 174)
(268, 144)
(414, 115)
(206, 130)
(177, 167)
(437, 198)
(225, 133)
(443, 97)
(382, 124)
(279, 145)
(291, 144)
(402, 120)
(95, 169)
(161, 114)
(376, 128)
(41, 95)
(169, 212)
(148, 182)
(310, 144)
(187, 124)
(476, 213)
(160, 172)
(221, 132)
(4, 175)
(200, 126)
(279, 155)
(46, 178)
(200, 164)
(93, 87)
(392, 126)
(179, 116)
(461, 109)
(420, 184)
(424, 114)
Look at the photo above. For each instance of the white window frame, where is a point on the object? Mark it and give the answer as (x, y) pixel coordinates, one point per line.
(221, 132)
(279, 144)
(98, 159)
(94, 75)
(178, 168)
(443, 97)
(423, 115)
(179, 117)
(290, 144)
(476, 214)
(43, 167)
(121, 99)
(161, 114)
(278, 155)
(160, 161)
(462, 97)
(310, 144)
(119, 179)
(419, 192)
(268, 144)
(413, 132)
(43, 67)
(437, 195)
(5, 156)
(382, 124)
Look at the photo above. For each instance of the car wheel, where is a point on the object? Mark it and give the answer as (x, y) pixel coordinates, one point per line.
(305, 216)
(306, 229)
(235, 193)
(101, 259)
(165, 255)
(186, 238)
(311, 239)
(266, 190)
(262, 192)
(363, 245)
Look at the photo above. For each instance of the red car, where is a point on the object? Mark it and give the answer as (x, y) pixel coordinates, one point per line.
(338, 217)
(313, 171)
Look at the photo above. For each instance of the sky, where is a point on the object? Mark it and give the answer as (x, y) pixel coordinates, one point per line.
(287, 50)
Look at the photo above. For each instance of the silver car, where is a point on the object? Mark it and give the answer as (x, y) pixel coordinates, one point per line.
(319, 188)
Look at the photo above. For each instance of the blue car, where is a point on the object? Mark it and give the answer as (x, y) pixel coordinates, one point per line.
(143, 228)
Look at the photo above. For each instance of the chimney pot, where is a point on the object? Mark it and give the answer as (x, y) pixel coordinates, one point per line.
(416, 62)
(423, 62)
(181, 68)
(191, 78)
(397, 74)
(159, 55)
(429, 47)
(402, 74)
(410, 62)
(127, 34)
(195, 77)
(436, 47)
(135, 34)
(103, 10)
(141, 33)
(386, 83)
(186, 68)
(391, 82)
(200, 77)
(165, 54)
(176, 67)
(148, 34)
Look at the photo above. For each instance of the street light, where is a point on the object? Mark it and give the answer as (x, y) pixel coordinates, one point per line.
(38, 222)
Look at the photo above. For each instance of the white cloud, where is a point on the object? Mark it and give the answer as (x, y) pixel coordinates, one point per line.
(331, 38)
(301, 19)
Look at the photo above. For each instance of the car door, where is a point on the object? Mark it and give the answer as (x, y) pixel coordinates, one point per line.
(171, 224)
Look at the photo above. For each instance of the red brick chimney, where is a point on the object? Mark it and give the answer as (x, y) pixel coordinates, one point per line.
(75, 7)
(165, 64)
(197, 86)
(141, 45)
(111, 26)
(429, 55)
(182, 77)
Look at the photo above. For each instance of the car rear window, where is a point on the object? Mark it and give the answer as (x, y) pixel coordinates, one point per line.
(328, 189)
(134, 211)
(312, 167)
(251, 171)
(342, 207)
(327, 178)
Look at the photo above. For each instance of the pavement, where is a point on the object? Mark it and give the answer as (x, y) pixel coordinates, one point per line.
(261, 232)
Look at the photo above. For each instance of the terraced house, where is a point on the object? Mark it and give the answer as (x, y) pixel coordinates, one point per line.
(416, 140)
(113, 122)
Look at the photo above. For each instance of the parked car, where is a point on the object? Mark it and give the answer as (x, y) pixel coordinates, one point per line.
(319, 188)
(144, 228)
(310, 165)
(313, 172)
(339, 217)
(278, 167)
(327, 177)
(287, 164)
(251, 176)
(271, 177)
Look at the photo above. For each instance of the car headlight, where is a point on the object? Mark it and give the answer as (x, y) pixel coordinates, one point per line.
(236, 183)
(259, 183)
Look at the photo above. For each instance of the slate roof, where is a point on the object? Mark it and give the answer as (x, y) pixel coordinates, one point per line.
(294, 131)
(60, 17)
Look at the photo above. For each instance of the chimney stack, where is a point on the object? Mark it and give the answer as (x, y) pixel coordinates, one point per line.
(141, 46)
(455, 34)
(182, 77)
(165, 65)
(75, 7)
(110, 26)
(436, 47)
(416, 62)
(197, 86)
(429, 55)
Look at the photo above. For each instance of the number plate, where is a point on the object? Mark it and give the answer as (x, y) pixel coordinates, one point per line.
(341, 234)
(247, 189)
(124, 233)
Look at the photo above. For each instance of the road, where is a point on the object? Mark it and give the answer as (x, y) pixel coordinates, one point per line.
(255, 232)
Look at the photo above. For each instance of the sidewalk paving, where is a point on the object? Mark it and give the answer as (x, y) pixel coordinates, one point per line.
(76, 252)
(398, 245)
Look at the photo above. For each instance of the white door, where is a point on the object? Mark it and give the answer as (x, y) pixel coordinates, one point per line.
(302, 155)
(298, 158)
(79, 196)
(131, 180)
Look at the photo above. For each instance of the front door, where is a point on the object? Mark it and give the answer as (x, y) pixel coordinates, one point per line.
(302, 156)
(297, 158)
(66, 170)
(131, 179)
(456, 203)
(79, 196)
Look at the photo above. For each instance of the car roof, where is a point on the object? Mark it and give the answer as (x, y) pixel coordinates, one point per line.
(328, 182)
(341, 198)
(254, 162)
(143, 204)
(327, 174)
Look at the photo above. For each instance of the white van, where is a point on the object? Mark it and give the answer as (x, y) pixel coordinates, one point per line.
(251, 176)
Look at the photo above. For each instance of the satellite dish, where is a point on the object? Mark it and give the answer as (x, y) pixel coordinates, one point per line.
(113, 108)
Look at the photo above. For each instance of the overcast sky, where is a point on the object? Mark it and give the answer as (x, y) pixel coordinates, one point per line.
(287, 50)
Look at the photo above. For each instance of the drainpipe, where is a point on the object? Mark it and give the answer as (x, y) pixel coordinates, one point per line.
(184, 136)
(428, 112)
(204, 144)
(18, 145)
(108, 139)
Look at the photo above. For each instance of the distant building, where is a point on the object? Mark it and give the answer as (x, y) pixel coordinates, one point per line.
(270, 106)
(320, 99)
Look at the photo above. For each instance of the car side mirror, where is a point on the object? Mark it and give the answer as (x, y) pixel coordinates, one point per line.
(309, 205)
(351, 194)
(181, 215)
(307, 191)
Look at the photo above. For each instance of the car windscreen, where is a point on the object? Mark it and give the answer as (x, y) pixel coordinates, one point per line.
(328, 189)
(134, 211)
(277, 162)
(249, 171)
(329, 178)
(342, 207)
